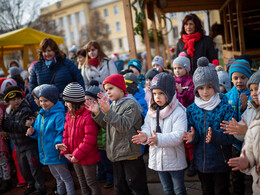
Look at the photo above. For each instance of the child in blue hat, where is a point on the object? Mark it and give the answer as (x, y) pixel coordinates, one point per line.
(136, 66)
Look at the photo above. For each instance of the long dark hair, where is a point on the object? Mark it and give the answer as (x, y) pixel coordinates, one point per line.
(197, 22)
(75, 107)
(95, 44)
(54, 47)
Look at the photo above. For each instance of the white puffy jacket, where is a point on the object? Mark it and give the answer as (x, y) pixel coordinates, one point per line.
(169, 153)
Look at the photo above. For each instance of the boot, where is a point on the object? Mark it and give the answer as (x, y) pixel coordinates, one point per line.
(5, 186)
(191, 170)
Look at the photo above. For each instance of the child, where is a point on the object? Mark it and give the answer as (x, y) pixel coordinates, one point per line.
(249, 161)
(238, 96)
(136, 66)
(168, 117)
(79, 143)
(212, 148)
(122, 119)
(158, 63)
(26, 147)
(148, 78)
(48, 130)
(252, 111)
(136, 91)
(224, 82)
(105, 168)
(185, 95)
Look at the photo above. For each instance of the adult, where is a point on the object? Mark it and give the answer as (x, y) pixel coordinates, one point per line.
(194, 41)
(53, 68)
(97, 66)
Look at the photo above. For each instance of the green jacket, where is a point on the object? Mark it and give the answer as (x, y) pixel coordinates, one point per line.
(101, 138)
(121, 123)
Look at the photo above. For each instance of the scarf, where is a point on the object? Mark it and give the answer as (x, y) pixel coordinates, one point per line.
(94, 62)
(189, 41)
(49, 62)
(208, 105)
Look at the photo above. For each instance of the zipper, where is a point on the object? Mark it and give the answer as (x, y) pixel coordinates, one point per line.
(204, 162)
(42, 140)
(221, 148)
(237, 109)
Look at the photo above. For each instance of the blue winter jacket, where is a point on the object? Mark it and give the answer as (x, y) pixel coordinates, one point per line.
(211, 157)
(141, 80)
(49, 127)
(233, 97)
(64, 72)
(139, 96)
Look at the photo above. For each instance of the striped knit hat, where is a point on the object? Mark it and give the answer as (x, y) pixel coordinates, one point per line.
(241, 66)
(74, 93)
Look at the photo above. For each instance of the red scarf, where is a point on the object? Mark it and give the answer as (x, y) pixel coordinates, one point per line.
(94, 62)
(189, 41)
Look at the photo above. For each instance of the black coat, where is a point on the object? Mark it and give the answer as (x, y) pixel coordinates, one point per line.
(203, 47)
(14, 123)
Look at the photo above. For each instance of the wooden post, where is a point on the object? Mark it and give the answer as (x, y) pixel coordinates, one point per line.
(147, 44)
(33, 49)
(25, 57)
(167, 42)
(160, 27)
(129, 29)
(2, 61)
(155, 36)
(225, 26)
(240, 26)
(231, 27)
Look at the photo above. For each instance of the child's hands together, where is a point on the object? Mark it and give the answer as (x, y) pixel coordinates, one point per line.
(92, 106)
(239, 162)
(152, 140)
(62, 147)
(243, 99)
(71, 158)
(188, 136)
(233, 127)
(208, 138)
(140, 138)
(30, 131)
(179, 88)
(30, 121)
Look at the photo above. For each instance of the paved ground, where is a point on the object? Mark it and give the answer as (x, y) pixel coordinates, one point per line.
(155, 188)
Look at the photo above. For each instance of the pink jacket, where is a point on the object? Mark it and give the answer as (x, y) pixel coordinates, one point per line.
(80, 137)
(187, 95)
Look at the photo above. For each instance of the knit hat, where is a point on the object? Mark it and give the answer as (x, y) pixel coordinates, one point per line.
(241, 66)
(183, 61)
(245, 57)
(93, 89)
(136, 63)
(131, 82)
(74, 93)
(117, 80)
(254, 79)
(205, 74)
(229, 62)
(151, 73)
(73, 49)
(223, 78)
(15, 61)
(158, 60)
(14, 71)
(12, 92)
(50, 92)
(36, 90)
(166, 83)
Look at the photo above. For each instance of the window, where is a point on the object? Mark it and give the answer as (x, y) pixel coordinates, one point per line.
(120, 43)
(115, 9)
(118, 27)
(175, 32)
(107, 28)
(105, 13)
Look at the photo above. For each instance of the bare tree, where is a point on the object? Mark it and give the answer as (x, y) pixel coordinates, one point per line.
(13, 16)
(96, 30)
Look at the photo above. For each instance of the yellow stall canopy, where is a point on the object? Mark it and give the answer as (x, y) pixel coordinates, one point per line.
(23, 39)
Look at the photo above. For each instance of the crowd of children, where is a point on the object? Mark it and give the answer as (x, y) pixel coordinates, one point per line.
(197, 121)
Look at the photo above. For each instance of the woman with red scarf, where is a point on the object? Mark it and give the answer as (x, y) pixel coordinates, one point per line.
(194, 42)
(97, 65)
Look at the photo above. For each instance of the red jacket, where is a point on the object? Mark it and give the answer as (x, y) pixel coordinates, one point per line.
(80, 137)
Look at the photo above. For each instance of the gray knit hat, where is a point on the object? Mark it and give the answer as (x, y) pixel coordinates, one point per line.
(36, 90)
(51, 93)
(254, 79)
(183, 61)
(166, 83)
(93, 89)
(158, 60)
(205, 74)
(74, 93)
(223, 78)
(131, 82)
(151, 73)
(14, 71)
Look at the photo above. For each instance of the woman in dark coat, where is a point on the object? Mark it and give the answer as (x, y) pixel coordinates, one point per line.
(194, 42)
(53, 68)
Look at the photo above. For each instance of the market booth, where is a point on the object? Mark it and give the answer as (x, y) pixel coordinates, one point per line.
(23, 39)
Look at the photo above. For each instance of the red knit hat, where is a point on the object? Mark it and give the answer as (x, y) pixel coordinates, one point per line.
(117, 80)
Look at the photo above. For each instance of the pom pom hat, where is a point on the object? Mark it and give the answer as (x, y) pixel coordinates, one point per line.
(205, 74)
(117, 80)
